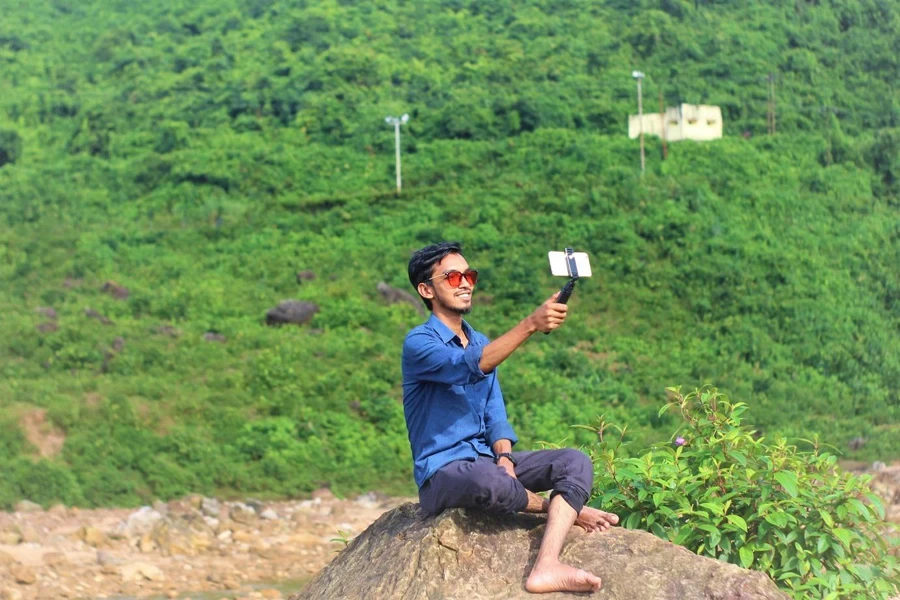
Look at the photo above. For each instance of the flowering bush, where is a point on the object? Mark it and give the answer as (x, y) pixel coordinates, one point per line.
(722, 491)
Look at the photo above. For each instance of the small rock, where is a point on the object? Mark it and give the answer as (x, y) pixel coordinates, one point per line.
(48, 312)
(243, 536)
(138, 523)
(48, 327)
(270, 594)
(117, 346)
(268, 514)
(212, 522)
(241, 513)
(209, 336)
(54, 559)
(119, 292)
(305, 276)
(6, 558)
(225, 535)
(146, 544)
(323, 494)
(31, 535)
(90, 312)
(58, 510)
(105, 558)
(168, 330)
(369, 500)
(256, 505)
(22, 574)
(139, 571)
(210, 507)
(91, 536)
(10, 537)
(10, 594)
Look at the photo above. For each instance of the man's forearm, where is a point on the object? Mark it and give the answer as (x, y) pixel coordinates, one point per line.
(500, 349)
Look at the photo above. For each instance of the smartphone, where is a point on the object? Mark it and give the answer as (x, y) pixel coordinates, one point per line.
(559, 266)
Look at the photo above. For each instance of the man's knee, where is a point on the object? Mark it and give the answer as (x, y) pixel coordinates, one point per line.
(579, 468)
(578, 482)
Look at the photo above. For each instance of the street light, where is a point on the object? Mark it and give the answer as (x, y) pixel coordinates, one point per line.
(640, 77)
(397, 122)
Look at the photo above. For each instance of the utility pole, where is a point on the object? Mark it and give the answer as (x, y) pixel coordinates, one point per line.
(397, 122)
(640, 76)
(662, 121)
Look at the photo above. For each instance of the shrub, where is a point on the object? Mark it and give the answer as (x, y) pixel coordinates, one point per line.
(721, 491)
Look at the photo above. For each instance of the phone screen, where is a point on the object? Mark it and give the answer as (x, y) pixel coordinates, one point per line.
(560, 268)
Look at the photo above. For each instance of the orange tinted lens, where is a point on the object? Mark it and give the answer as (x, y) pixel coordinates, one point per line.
(471, 276)
(454, 278)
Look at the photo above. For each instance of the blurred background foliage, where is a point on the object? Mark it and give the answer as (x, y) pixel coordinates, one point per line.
(202, 153)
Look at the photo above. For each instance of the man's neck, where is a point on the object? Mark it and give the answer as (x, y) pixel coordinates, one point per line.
(451, 319)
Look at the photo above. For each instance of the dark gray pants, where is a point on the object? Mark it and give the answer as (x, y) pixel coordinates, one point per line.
(479, 483)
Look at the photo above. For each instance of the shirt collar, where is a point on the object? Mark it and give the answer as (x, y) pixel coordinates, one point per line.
(445, 332)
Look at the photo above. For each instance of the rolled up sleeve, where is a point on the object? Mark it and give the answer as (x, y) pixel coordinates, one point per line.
(496, 423)
(426, 358)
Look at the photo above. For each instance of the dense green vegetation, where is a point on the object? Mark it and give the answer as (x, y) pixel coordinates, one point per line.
(201, 153)
(721, 490)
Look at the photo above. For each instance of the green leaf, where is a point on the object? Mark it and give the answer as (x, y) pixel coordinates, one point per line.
(778, 519)
(633, 520)
(746, 555)
(788, 481)
(739, 521)
(845, 535)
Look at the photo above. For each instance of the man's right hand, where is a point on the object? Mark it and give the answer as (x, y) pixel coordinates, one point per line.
(549, 315)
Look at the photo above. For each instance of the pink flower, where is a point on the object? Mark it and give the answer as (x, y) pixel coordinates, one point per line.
(680, 441)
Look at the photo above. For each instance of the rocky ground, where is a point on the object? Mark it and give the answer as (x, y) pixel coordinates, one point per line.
(190, 548)
(202, 548)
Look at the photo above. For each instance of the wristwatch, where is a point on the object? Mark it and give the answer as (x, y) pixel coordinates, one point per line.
(507, 455)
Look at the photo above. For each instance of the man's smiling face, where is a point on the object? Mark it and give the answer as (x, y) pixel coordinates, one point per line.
(453, 299)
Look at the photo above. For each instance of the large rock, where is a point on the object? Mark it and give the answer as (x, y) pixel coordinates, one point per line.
(393, 295)
(466, 555)
(292, 311)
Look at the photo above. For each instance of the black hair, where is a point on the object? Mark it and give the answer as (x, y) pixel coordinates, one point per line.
(422, 262)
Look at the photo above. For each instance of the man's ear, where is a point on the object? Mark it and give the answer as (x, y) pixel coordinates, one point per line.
(425, 290)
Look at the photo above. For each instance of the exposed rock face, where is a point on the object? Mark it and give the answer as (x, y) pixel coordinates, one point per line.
(406, 555)
(291, 311)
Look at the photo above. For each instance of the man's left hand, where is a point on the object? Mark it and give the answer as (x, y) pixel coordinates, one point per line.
(507, 466)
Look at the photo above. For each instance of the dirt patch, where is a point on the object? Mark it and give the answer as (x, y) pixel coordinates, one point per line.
(41, 433)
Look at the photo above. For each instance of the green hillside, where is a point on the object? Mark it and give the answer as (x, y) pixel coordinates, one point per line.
(202, 153)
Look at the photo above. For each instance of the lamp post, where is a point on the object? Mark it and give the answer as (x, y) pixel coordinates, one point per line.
(397, 122)
(640, 77)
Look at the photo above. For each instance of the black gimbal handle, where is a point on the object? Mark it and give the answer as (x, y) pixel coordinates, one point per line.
(566, 291)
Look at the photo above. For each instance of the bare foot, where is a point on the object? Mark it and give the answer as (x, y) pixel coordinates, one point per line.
(557, 577)
(595, 520)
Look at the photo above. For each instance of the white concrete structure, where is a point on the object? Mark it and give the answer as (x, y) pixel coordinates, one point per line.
(686, 122)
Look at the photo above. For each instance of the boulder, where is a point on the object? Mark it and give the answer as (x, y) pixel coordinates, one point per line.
(294, 312)
(27, 506)
(117, 291)
(407, 555)
(393, 295)
(305, 276)
(93, 314)
(47, 311)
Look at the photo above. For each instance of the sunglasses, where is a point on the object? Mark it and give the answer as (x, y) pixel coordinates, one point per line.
(454, 278)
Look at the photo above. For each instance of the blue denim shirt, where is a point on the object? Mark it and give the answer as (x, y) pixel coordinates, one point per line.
(453, 409)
